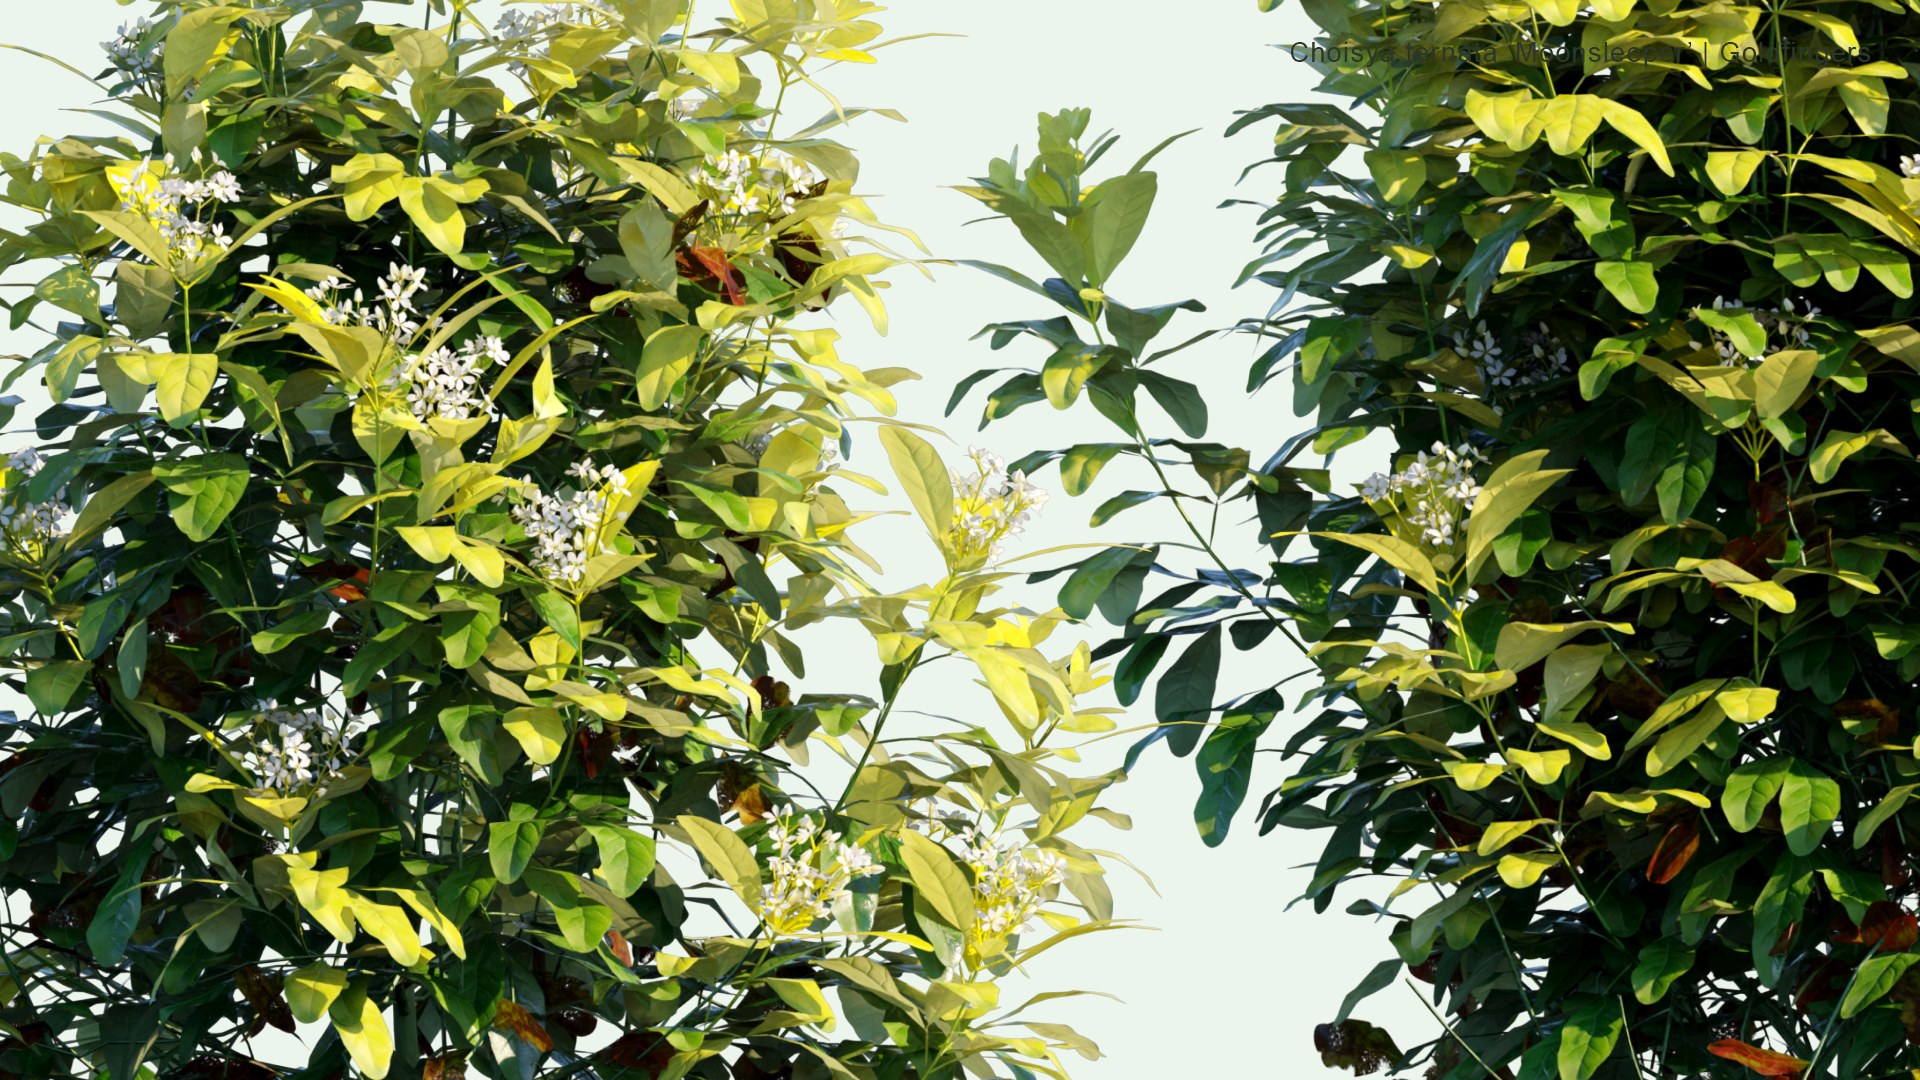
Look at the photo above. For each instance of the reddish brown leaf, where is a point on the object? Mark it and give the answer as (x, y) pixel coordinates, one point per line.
(1786, 940)
(1824, 983)
(617, 942)
(689, 221)
(1769, 502)
(172, 682)
(512, 1017)
(646, 1051)
(595, 751)
(1750, 553)
(1354, 1044)
(752, 806)
(1870, 720)
(452, 1066)
(1886, 925)
(340, 572)
(263, 992)
(709, 268)
(576, 1022)
(1764, 1062)
(1675, 851)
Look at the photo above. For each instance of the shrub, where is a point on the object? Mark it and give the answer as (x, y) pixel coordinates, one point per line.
(1617, 657)
(433, 462)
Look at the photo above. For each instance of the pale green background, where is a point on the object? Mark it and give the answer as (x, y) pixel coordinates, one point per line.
(1232, 982)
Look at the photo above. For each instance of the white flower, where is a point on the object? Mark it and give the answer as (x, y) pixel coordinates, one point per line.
(297, 750)
(1910, 166)
(811, 873)
(989, 506)
(25, 461)
(126, 52)
(157, 196)
(1432, 496)
(566, 532)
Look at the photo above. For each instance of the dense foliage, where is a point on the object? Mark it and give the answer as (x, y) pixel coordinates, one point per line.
(444, 467)
(1617, 658)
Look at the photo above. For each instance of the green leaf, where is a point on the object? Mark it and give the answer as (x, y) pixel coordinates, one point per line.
(1225, 765)
(1588, 1037)
(50, 686)
(268, 642)
(1184, 695)
(1631, 283)
(1399, 174)
(63, 371)
(1660, 964)
(1091, 578)
(1082, 463)
(626, 857)
(203, 490)
(119, 912)
(1750, 788)
(1683, 482)
(1809, 805)
(559, 614)
(666, 358)
(1180, 399)
(73, 289)
(1490, 254)
(1878, 816)
(1874, 980)
(182, 381)
(510, 847)
(97, 515)
(1378, 979)
(132, 662)
(201, 37)
(925, 478)
(1126, 500)
(1118, 215)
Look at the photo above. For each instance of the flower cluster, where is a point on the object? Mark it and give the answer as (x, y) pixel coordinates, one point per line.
(27, 527)
(127, 52)
(1785, 327)
(392, 313)
(446, 384)
(812, 870)
(566, 532)
(524, 23)
(1009, 885)
(289, 750)
(990, 505)
(1910, 166)
(744, 184)
(1427, 502)
(159, 195)
(1541, 358)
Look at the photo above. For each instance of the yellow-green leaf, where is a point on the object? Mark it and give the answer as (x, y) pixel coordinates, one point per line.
(1521, 869)
(539, 732)
(1731, 170)
(924, 476)
(1501, 833)
(938, 878)
(312, 989)
(727, 854)
(665, 360)
(1583, 737)
(363, 1031)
